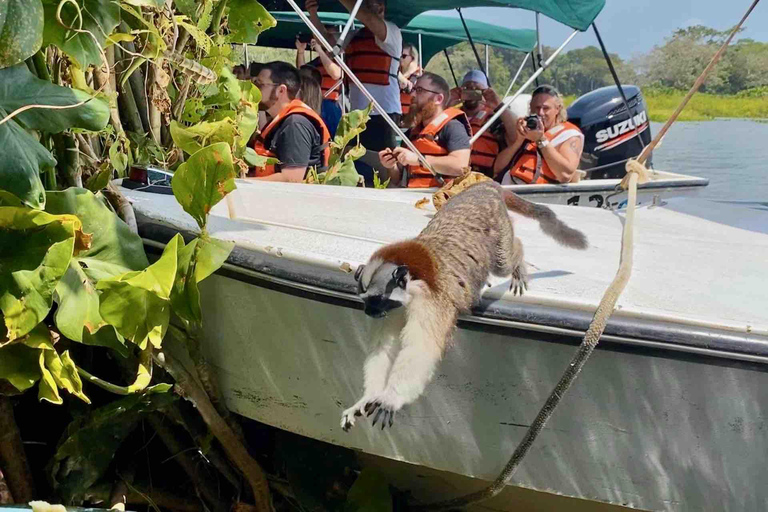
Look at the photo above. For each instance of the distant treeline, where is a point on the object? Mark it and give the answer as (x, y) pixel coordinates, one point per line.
(674, 65)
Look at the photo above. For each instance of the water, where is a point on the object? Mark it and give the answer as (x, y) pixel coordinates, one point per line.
(733, 154)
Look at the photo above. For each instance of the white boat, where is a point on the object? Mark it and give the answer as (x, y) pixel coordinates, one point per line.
(670, 413)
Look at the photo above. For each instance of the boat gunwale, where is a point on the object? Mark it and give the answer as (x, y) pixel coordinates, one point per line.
(323, 284)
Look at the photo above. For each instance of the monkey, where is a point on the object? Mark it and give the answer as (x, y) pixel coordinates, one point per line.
(437, 276)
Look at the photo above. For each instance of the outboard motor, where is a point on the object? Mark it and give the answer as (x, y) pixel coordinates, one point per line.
(610, 137)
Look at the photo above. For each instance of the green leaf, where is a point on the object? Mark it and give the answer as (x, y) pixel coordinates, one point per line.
(137, 303)
(23, 160)
(248, 19)
(100, 179)
(343, 173)
(98, 17)
(64, 373)
(203, 180)
(228, 90)
(192, 139)
(247, 112)
(91, 441)
(118, 159)
(35, 250)
(369, 493)
(146, 3)
(350, 126)
(256, 160)
(19, 366)
(21, 30)
(194, 110)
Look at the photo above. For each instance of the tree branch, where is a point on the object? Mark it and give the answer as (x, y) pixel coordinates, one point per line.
(13, 458)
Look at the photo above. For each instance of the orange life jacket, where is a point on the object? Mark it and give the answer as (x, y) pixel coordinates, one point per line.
(418, 176)
(261, 143)
(486, 148)
(524, 168)
(405, 101)
(371, 64)
(327, 84)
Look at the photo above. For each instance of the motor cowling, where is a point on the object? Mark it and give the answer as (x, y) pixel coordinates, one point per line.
(610, 135)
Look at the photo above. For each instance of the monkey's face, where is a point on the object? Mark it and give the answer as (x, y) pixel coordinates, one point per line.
(382, 286)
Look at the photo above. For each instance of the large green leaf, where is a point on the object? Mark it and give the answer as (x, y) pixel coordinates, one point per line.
(350, 126)
(91, 441)
(59, 372)
(227, 90)
(21, 30)
(247, 112)
(194, 138)
(248, 19)
(203, 180)
(99, 17)
(21, 164)
(19, 366)
(137, 304)
(35, 250)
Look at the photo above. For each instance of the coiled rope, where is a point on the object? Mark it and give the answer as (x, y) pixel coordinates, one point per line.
(636, 172)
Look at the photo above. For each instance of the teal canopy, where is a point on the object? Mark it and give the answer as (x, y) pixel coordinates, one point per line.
(578, 14)
(437, 33)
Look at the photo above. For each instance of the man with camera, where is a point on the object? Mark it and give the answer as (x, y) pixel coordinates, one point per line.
(479, 102)
(546, 148)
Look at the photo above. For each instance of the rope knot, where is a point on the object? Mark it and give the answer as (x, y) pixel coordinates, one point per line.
(634, 166)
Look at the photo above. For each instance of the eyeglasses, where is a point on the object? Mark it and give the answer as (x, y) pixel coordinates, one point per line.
(405, 55)
(419, 89)
(262, 84)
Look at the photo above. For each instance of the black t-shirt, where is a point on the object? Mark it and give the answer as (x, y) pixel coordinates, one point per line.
(453, 136)
(297, 143)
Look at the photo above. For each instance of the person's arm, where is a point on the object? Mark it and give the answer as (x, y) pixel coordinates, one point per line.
(372, 21)
(287, 174)
(300, 49)
(515, 139)
(508, 119)
(311, 7)
(564, 159)
(333, 69)
(452, 164)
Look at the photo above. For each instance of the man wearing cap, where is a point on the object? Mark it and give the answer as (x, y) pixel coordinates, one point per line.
(479, 102)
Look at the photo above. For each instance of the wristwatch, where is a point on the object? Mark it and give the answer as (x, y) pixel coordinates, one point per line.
(542, 143)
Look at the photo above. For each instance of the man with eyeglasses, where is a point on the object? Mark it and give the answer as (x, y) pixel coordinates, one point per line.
(547, 153)
(296, 135)
(441, 134)
(373, 54)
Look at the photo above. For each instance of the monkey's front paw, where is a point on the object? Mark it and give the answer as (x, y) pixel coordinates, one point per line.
(385, 406)
(348, 416)
(519, 283)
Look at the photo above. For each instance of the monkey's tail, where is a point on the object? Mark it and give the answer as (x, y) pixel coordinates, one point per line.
(548, 221)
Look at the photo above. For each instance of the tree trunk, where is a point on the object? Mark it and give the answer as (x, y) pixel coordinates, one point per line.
(13, 459)
(104, 79)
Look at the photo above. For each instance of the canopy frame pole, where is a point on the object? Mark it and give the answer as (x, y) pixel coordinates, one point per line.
(508, 101)
(539, 52)
(487, 65)
(344, 32)
(421, 62)
(519, 70)
(618, 84)
(365, 92)
(450, 66)
(245, 51)
(472, 44)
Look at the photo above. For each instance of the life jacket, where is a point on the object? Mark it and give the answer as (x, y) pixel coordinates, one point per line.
(328, 83)
(405, 101)
(486, 148)
(425, 141)
(371, 64)
(525, 166)
(262, 141)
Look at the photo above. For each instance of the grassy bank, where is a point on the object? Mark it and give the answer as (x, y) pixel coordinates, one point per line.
(702, 107)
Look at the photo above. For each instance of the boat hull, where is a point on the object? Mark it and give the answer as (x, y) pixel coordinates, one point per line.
(644, 427)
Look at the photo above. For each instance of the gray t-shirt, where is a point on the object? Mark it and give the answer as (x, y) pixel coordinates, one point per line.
(297, 143)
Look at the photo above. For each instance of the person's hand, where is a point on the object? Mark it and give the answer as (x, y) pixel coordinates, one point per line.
(405, 156)
(491, 98)
(387, 158)
(455, 96)
(300, 46)
(532, 135)
(314, 44)
(311, 6)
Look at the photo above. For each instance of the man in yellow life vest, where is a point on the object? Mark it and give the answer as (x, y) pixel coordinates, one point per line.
(440, 134)
(373, 55)
(548, 153)
(295, 134)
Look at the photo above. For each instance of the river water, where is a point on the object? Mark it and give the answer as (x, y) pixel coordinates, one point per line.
(733, 154)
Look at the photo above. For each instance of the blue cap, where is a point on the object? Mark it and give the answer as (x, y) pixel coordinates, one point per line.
(475, 76)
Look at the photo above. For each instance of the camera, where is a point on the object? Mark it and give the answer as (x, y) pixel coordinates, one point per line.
(471, 94)
(304, 37)
(532, 121)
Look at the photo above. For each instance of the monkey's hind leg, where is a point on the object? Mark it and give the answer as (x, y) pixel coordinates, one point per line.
(385, 335)
(509, 260)
(423, 339)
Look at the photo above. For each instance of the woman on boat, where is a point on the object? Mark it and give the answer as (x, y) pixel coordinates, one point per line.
(546, 152)
(409, 73)
(330, 83)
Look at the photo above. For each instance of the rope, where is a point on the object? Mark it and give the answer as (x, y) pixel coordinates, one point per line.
(636, 172)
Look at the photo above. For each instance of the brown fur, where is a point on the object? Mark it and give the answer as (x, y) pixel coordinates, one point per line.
(417, 257)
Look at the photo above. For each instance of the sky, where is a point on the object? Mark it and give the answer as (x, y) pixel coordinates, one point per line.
(631, 28)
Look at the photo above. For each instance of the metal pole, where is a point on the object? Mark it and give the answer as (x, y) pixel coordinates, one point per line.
(347, 26)
(539, 54)
(519, 70)
(365, 92)
(474, 49)
(450, 66)
(618, 84)
(421, 63)
(508, 101)
(487, 66)
(245, 50)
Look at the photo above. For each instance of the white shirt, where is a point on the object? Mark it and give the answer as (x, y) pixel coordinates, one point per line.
(561, 136)
(388, 96)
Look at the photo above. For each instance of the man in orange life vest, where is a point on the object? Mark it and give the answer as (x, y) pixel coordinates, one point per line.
(373, 55)
(549, 153)
(331, 75)
(442, 136)
(295, 134)
(479, 102)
